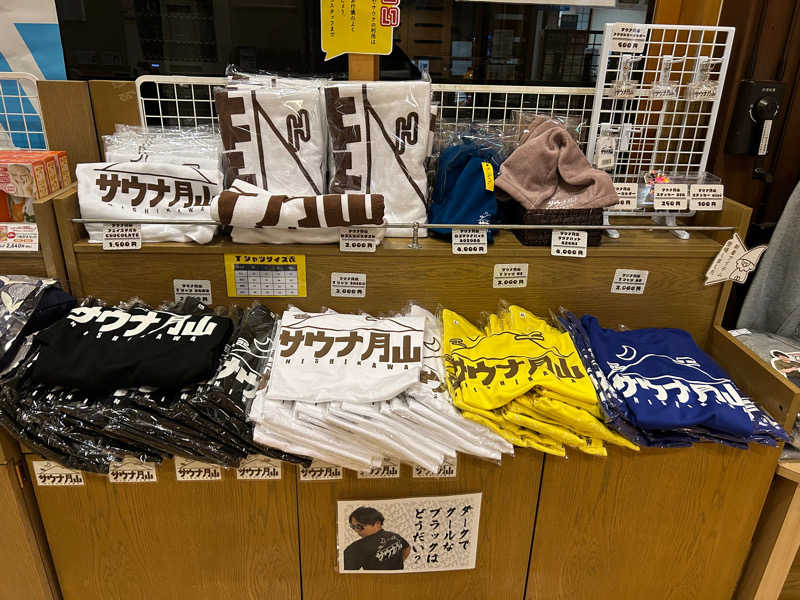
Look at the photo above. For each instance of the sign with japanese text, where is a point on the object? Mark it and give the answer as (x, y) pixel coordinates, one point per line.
(358, 239)
(510, 275)
(192, 288)
(358, 26)
(19, 237)
(706, 196)
(448, 469)
(628, 37)
(49, 473)
(629, 281)
(670, 196)
(564, 242)
(258, 467)
(734, 262)
(189, 469)
(348, 285)
(266, 275)
(120, 236)
(408, 535)
(390, 469)
(626, 192)
(132, 470)
(469, 241)
(320, 471)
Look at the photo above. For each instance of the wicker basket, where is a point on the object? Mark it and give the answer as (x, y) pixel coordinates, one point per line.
(514, 213)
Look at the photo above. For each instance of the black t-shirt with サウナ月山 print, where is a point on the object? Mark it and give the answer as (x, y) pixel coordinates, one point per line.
(381, 551)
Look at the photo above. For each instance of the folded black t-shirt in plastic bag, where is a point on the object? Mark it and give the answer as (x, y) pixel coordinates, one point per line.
(101, 349)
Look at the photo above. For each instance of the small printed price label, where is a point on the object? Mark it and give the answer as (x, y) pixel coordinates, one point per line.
(188, 469)
(119, 236)
(569, 243)
(19, 237)
(320, 471)
(388, 470)
(448, 469)
(488, 176)
(626, 192)
(132, 470)
(258, 467)
(628, 38)
(348, 285)
(670, 196)
(706, 197)
(192, 288)
(469, 241)
(358, 239)
(629, 281)
(512, 275)
(49, 473)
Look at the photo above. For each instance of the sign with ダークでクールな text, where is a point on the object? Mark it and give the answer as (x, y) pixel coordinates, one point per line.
(358, 26)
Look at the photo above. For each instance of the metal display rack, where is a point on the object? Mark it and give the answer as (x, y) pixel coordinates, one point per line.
(21, 124)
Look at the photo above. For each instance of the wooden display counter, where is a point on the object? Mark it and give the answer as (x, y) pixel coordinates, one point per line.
(654, 524)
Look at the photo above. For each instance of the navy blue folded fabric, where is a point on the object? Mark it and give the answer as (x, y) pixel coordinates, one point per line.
(460, 194)
(668, 383)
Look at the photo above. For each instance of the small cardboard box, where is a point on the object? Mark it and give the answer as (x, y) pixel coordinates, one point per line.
(23, 174)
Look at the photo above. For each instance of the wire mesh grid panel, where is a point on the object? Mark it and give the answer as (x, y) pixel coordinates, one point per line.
(21, 123)
(510, 108)
(651, 103)
(176, 101)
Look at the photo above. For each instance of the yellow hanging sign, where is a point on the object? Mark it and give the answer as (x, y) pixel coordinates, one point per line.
(358, 26)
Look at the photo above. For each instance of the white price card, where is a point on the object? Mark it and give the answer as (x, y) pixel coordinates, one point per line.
(358, 239)
(670, 196)
(19, 237)
(570, 243)
(448, 469)
(628, 38)
(120, 236)
(469, 241)
(626, 192)
(188, 469)
(348, 285)
(706, 197)
(511, 275)
(738, 332)
(390, 469)
(132, 470)
(258, 467)
(629, 281)
(192, 288)
(320, 471)
(49, 473)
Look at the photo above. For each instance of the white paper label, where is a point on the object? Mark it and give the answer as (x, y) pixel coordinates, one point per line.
(568, 243)
(388, 470)
(132, 470)
(469, 241)
(604, 157)
(511, 275)
(258, 467)
(738, 332)
(706, 197)
(19, 237)
(320, 471)
(118, 236)
(348, 285)
(49, 473)
(628, 38)
(192, 288)
(448, 469)
(358, 239)
(625, 137)
(763, 144)
(189, 469)
(734, 262)
(629, 281)
(627, 196)
(670, 196)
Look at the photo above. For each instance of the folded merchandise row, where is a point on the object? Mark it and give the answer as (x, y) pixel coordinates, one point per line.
(296, 160)
(87, 386)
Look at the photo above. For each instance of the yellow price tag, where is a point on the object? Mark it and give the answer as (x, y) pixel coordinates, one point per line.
(358, 26)
(488, 176)
(266, 275)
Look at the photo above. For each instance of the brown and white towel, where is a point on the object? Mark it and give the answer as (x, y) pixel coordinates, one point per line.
(274, 138)
(379, 134)
(261, 217)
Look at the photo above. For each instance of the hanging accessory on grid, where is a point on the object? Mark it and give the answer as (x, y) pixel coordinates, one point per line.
(624, 86)
(665, 88)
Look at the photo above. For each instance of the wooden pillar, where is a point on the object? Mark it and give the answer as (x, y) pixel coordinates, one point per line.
(364, 67)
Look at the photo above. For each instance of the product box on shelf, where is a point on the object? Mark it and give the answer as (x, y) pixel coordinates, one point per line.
(23, 174)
